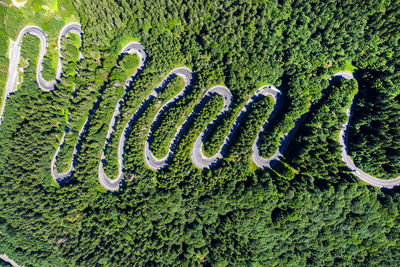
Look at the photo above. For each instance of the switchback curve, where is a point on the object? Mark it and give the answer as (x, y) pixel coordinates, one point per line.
(114, 184)
(15, 56)
(343, 138)
(197, 155)
(13, 73)
(154, 162)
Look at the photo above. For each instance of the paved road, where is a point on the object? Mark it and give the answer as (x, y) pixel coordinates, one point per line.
(18, 4)
(197, 154)
(14, 70)
(15, 56)
(261, 162)
(105, 181)
(284, 142)
(73, 27)
(152, 161)
(343, 137)
(7, 259)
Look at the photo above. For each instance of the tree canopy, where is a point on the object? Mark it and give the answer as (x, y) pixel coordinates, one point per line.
(308, 210)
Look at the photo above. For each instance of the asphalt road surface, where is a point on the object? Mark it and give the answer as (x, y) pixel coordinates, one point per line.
(105, 181)
(197, 155)
(14, 70)
(261, 162)
(73, 27)
(343, 137)
(4, 257)
(153, 162)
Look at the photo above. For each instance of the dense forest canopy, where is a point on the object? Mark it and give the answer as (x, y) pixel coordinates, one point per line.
(308, 210)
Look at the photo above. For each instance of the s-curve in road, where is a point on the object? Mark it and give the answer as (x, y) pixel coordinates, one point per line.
(105, 181)
(265, 163)
(73, 27)
(343, 138)
(15, 56)
(13, 73)
(197, 154)
(261, 162)
(153, 162)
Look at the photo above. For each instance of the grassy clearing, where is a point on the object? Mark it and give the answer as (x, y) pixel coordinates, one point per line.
(349, 66)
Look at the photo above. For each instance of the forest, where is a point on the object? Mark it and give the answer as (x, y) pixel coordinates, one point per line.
(307, 210)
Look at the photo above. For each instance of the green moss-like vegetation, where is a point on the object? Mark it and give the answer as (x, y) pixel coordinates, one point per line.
(307, 211)
(170, 120)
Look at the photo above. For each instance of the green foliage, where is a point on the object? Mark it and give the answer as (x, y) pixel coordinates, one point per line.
(374, 135)
(70, 55)
(170, 120)
(316, 151)
(307, 211)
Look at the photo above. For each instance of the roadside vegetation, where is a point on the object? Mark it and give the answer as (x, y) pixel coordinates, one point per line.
(309, 210)
(66, 88)
(170, 120)
(374, 139)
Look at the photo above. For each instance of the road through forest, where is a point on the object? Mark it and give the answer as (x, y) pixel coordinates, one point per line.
(198, 157)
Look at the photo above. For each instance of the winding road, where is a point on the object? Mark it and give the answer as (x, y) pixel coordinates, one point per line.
(13, 81)
(65, 176)
(343, 138)
(15, 56)
(154, 162)
(105, 181)
(198, 157)
(261, 162)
